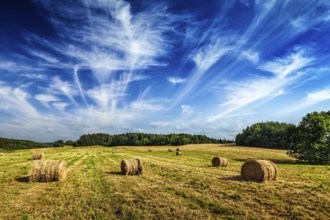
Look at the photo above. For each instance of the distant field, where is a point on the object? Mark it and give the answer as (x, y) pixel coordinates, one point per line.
(173, 187)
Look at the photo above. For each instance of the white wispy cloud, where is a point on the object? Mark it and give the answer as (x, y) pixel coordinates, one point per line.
(311, 99)
(176, 80)
(17, 102)
(285, 73)
(251, 56)
(34, 76)
(43, 56)
(207, 55)
(60, 87)
(282, 67)
(46, 99)
(148, 105)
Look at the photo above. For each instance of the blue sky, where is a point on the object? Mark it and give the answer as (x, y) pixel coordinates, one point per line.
(206, 67)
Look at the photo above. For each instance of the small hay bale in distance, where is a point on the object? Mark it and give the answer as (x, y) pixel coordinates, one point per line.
(170, 150)
(259, 171)
(178, 149)
(48, 171)
(131, 167)
(219, 162)
(178, 153)
(149, 150)
(38, 155)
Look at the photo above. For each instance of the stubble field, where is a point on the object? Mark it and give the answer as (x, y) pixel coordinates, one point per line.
(172, 187)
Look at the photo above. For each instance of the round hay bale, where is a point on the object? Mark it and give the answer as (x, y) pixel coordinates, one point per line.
(219, 162)
(38, 155)
(170, 150)
(48, 171)
(259, 171)
(149, 150)
(178, 153)
(178, 149)
(131, 167)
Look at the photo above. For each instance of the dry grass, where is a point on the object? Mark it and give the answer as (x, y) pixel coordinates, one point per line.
(48, 171)
(259, 171)
(219, 162)
(149, 150)
(170, 188)
(38, 155)
(2, 154)
(131, 167)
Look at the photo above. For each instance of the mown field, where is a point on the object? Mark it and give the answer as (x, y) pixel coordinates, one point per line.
(172, 187)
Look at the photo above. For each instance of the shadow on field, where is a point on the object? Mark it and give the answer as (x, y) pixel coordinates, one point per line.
(23, 179)
(232, 178)
(276, 161)
(114, 173)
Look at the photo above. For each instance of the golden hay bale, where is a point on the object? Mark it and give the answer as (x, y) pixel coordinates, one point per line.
(38, 155)
(219, 162)
(178, 149)
(178, 153)
(170, 150)
(131, 167)
(48, 170)
(149, 150)
(259, 171)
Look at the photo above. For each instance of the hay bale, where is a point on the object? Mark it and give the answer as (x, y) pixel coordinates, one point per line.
(48, 171)
(219, 162)
(178, 153)
(259, 171)
(149, 150)
(178, 149)
(2, 154)
(38, 155)
(170, 150)
(131, 167)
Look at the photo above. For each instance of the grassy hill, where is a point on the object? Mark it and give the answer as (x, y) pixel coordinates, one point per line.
(173, 187)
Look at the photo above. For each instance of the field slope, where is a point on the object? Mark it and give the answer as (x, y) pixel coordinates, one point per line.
(172, 187)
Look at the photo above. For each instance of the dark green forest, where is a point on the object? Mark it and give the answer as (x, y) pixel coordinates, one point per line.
(308, 142)
(141, 139)
(267, 135)
(15, 144)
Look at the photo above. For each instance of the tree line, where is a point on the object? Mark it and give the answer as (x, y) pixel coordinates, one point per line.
(15, 144)
(309, 141)
(108, 140)
(142, 139)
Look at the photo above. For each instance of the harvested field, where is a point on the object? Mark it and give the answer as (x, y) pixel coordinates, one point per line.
(171, 187)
